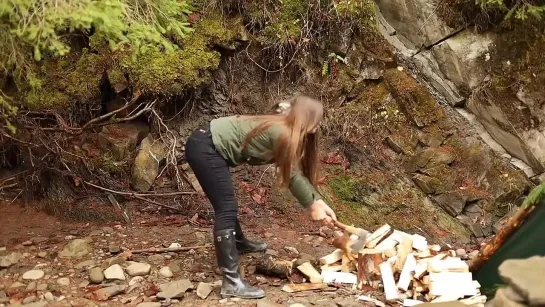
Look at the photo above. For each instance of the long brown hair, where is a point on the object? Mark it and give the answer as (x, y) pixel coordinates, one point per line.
(296, 145)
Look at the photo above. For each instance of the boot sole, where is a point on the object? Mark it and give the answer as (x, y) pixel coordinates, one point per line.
(241, 296)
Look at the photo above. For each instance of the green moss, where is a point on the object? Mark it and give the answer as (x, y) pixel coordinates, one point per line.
(417, 102)
(286, 22)
(61, 82)
(171, 72)
(451, 226)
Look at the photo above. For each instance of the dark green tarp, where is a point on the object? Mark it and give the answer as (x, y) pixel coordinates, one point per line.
(525, 242)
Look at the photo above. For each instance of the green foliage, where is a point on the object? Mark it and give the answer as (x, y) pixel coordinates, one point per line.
(536, 195)
(39, 27)
(520, 9)
(7, 111)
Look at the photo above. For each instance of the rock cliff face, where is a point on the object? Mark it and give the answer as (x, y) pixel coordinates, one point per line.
(470, 70)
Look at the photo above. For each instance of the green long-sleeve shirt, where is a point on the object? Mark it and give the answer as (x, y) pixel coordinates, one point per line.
(228, 135)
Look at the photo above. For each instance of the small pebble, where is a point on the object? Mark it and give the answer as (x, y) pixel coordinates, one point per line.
(166, 272)
(42, 254)
(29, 299)
(49, 296)
(27, 243)
(64, 281)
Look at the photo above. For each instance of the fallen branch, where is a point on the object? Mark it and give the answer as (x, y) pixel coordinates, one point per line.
(168, 249)
(139, 194)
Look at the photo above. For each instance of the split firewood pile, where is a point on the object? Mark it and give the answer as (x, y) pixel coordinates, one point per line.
(402, 267)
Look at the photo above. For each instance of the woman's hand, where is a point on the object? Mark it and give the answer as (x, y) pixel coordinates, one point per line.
(320, 211)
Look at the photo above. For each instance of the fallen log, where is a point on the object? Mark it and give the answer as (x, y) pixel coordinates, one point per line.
(274, 267)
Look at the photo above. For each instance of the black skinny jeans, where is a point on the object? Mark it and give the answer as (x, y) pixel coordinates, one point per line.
(212, 172)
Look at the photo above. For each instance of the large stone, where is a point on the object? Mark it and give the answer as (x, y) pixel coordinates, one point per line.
(503, 132)
(475, 228)
(76, 248)
(453, 203)
(5, 262)
(115, 272)
(96, 276)
(105, 293)
(501, 300)
(204, 289)
(175, 289)
(525, 276)
(146, 164)
(138, 269)
(121, 139)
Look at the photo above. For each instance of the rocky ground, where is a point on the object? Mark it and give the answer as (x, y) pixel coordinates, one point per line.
(48, 262)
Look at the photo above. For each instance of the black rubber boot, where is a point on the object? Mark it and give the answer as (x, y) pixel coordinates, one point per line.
(246, 246)
(227, 257)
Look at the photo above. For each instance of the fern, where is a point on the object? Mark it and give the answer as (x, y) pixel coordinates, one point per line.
(521, 9)
(7, 112)
(39, 27)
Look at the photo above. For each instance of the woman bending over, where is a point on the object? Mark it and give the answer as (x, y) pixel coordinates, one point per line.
(288, 139)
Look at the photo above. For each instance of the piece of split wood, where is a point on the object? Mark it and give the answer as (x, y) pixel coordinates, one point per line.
(347, 265)
(440, 256)
(407, 273)
(420, 243)
(445, 298)
(380, 234)
(450, 264)
(399, 236)
(409, 302)
(366, 298)
(389, 253)
(452, 283)
(388, 243)
(435, 247)
(421, 268)
(426, 280)
(334, 267)
(309, 270)
(404, 248)
(335, 256)
(476, 284)
(388, 281)
(339, 277)
(424, 254)
(452, 253)
(369, 261)
(292, 288)
(418, 286)
(481, 299)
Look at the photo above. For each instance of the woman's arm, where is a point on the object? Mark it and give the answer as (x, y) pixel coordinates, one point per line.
(302, 190)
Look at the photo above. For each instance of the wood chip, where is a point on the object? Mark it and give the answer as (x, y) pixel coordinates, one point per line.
(388, 281)
(481, 299)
